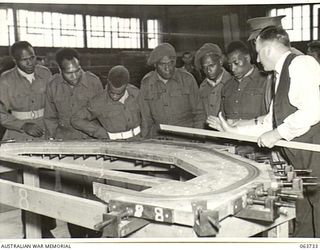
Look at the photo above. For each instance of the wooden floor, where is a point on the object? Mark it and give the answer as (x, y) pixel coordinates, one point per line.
(11, 226)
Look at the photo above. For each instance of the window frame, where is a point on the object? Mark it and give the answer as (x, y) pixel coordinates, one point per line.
(139, 44)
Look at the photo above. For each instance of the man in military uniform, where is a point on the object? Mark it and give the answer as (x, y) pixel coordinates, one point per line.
(22, 101)
(67, 92)
(244, 95)
(116, 108)
(314, 50)
(209, 58)
(169, 95)
(294, 114)
(188, 65)
(22, 95)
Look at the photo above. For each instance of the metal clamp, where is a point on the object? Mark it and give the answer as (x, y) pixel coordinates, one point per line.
(206, 221)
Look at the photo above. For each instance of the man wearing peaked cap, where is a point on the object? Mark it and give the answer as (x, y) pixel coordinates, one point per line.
(257, 24)
(168, 95)
(209, 59)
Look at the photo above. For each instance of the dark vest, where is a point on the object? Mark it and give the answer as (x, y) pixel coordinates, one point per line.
(282, 107)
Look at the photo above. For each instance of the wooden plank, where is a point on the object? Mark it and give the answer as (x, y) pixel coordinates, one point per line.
(226, 135)
(227, 228)
(32, 220)
(100, 172)
(63, 207)
(107, 193)
(280, 231)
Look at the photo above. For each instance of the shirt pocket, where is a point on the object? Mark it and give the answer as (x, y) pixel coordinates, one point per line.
(253, 101)
(155, 103)
(111, 118)
(134, 110)
(19, 102)
(38, 100)
(82, 99)
(179, 101)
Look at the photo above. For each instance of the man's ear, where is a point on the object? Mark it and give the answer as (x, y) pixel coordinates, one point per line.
(221, 61)
(268, 51)
(248, 58)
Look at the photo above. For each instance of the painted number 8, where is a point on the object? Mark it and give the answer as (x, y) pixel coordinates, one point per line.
(159, 214)
(138, 211)
(23, 202)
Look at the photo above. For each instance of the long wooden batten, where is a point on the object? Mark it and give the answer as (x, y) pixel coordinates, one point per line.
(226, 135)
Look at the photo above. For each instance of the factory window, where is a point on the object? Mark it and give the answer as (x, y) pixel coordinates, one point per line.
(50, 29)
(153, 30)
(6, 27)
(296, 22)
(316, 9)
(113, 32)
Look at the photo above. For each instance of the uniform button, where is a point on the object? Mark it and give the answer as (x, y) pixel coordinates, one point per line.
(239, 89)
(236, 101)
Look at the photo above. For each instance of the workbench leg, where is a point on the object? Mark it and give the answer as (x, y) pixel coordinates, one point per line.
(32, 220)
(280, 231)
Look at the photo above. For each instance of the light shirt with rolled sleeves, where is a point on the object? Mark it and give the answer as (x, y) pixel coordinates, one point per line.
(304, 94)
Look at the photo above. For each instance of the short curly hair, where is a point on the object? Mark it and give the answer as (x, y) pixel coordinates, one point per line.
(17, 47)
(66, 54)
(237, 46)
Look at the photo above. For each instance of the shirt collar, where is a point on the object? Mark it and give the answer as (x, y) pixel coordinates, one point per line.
(121, 100)
(161, 78)
(248, 74)
(83, 80)
(29, 77)
(215, 83)
(280, 62)
(124, 97)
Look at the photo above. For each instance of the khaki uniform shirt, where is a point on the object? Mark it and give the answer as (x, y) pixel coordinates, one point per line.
(176, 102)
(245, 99)
(17, 94)
(211, 95)
(113, 116)
(63, 101)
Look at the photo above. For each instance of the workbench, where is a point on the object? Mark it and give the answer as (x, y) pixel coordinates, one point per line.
(210, 197)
